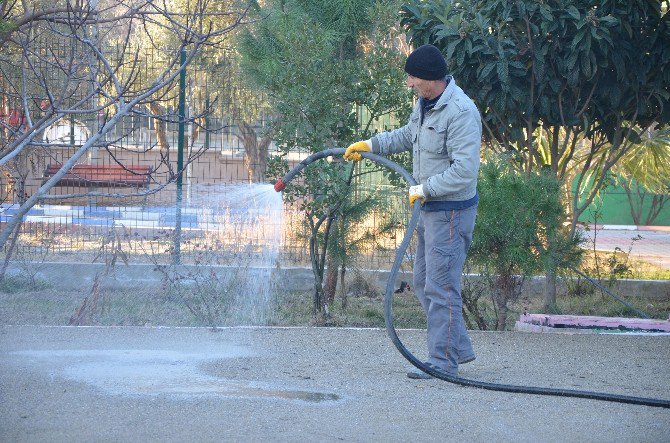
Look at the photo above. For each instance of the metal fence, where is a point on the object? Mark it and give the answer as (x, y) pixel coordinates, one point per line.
(210, 208)
(213, 206)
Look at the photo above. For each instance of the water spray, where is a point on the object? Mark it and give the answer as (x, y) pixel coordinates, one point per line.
(388, 301)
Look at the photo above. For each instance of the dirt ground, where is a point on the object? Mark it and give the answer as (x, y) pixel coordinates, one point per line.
(318, 384)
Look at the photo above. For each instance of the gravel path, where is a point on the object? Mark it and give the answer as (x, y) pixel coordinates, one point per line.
(317, 384)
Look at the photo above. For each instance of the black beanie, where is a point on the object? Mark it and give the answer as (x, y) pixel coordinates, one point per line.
(427, 63)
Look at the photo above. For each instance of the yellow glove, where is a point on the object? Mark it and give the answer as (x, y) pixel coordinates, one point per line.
(416, 192)
(352, 152)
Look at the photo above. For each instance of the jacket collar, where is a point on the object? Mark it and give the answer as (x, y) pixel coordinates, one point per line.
(447, 94)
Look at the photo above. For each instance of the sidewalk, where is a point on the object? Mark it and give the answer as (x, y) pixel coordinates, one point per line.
(647, 243)
(126, 384)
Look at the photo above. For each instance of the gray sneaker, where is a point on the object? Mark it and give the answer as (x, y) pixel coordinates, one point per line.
(418, 374)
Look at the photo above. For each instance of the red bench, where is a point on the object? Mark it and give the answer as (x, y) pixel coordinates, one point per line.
(102, 176)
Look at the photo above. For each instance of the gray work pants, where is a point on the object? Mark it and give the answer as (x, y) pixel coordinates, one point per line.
(444, 238)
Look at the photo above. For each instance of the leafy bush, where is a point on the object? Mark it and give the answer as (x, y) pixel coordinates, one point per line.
(519, 231)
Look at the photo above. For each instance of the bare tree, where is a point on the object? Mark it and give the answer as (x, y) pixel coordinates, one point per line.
(246, 105)
(255, 151)
(63, 70)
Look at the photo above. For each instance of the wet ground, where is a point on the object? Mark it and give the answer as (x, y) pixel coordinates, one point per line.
(317, 384)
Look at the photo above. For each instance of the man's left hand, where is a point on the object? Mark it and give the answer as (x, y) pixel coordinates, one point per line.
(416, 192)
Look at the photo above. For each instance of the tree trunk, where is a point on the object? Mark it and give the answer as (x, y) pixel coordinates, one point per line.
(506, 291)
(501, 314)
(550, 274)
(10, 251)
(318, 277)
(330, 280)
(345, 300)
(550, 291)
(18, 180)
(635, 212)
(657, 204)
(255, 152)
(161, 128)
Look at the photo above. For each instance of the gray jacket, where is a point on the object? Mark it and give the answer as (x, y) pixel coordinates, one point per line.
(445, 147)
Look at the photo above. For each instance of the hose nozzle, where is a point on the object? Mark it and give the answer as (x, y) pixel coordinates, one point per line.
(280, 185)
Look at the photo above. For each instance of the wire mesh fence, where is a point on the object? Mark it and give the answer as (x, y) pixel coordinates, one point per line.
(125, 187)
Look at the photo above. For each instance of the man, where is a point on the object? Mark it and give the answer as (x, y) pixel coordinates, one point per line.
(444, 133)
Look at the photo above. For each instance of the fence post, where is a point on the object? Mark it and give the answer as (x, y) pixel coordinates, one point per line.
(72, 130)
(176, 259)
(206, 120)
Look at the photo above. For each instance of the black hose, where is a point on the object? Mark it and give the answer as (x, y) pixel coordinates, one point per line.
(608, 292)
(388, 302)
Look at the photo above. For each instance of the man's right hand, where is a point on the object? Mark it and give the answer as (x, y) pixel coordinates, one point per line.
(353, 151)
